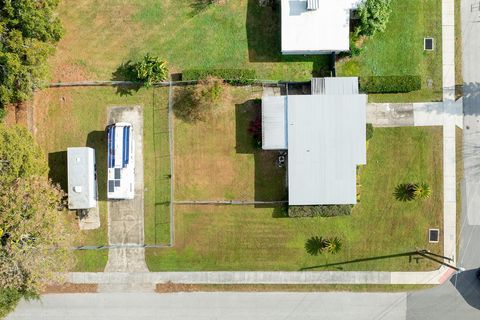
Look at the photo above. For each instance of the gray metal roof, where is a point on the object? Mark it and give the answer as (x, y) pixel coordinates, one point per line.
(82, 184)
(274, 123)
(340, 85)
(312, 4)
(326, 141)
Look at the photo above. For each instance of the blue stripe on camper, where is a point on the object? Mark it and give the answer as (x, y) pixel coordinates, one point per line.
(126, 145)
(111, 147)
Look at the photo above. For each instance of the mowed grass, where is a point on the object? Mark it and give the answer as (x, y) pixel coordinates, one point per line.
(77, 117)
(399, 51)
(100, 35)
(217, 159)
(249, 238)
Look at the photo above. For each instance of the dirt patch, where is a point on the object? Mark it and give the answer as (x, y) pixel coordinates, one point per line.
(17, 114)
(41, 104)
(70, 288)
(70, 73)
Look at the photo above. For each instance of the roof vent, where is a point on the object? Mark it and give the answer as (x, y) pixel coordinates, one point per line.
(312, 4)
(77, 189)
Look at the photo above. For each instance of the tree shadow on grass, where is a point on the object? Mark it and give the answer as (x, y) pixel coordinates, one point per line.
(124, 72)
(57, 162)
(264, 39)
(198, 6)
(270, 179)
(98, 141)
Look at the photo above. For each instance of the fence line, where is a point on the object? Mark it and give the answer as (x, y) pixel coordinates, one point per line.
(107, 83)
(172, 171)
(229, 202)
(120, 246)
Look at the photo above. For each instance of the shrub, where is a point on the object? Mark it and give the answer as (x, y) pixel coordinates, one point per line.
(369, 129)
(422, 191)
(319, 211)
(390, 84)
(231, 76)
(333, 245)
(355, 48)
(196, 103)
(150, 70)
(374, 16)
(8, 301)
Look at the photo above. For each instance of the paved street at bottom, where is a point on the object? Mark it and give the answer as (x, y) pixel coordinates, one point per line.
(215, 305)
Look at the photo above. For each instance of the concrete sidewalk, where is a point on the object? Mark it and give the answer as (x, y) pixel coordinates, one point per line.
(263, 277)
(419, 114)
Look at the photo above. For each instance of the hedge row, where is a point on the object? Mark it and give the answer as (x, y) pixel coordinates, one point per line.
(319, 211)
(231, 76)
(390, 84)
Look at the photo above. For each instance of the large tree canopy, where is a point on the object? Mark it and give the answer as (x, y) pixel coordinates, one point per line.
(35, 232)
(29, 30)
(374, 16)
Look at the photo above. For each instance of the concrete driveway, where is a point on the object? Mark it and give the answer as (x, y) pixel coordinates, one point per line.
(126, 217)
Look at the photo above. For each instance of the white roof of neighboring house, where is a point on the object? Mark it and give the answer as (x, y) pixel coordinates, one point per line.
(325, 29)
(82, 183)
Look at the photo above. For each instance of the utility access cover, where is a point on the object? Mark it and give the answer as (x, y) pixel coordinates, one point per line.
(428, 44)
(433, 235)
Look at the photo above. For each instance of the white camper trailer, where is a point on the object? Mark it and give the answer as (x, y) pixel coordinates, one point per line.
(82, 178)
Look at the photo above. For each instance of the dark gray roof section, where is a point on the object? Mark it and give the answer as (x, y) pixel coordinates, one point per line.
(312, 4)
(341, 85)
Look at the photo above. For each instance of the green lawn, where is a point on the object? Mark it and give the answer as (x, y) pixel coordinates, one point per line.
(238, 34)
(399, 50)
(249, 238)
(77, 117)
(217, 160)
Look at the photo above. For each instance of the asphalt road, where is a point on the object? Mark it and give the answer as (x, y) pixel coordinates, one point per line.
(460, 297)
(224, 306)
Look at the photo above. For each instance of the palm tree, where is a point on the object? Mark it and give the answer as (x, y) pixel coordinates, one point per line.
(405, 191)
(333, 245)
(422, 191)
(315, 245)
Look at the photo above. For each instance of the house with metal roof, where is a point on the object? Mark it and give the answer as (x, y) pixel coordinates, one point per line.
(82, 178)
(325, 137)
(316, 26)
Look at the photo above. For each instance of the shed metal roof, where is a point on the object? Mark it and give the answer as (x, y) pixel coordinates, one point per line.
(274, 123)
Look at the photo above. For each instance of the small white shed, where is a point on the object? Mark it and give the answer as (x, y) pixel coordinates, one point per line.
(82, 178)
